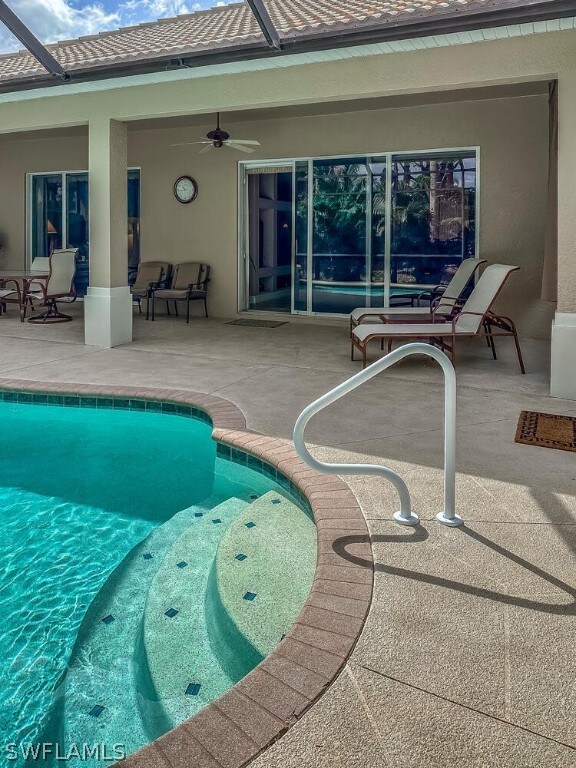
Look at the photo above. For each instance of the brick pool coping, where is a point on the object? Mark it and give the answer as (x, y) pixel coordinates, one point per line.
(260, 708)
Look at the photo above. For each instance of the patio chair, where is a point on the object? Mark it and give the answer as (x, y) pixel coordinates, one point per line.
(151, 274)
(189, 283)
(60, 285)
(474, 319)
(10, 293)
(13, 294)
(450, 296)
(40, 264)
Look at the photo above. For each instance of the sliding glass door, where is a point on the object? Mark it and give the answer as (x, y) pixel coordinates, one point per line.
(433, 222)
(58, 207)
(269, 237)
(368, 230)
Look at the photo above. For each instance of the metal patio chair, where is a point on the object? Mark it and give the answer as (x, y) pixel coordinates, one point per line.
(151, 274)
(60, 285)
(189, 283)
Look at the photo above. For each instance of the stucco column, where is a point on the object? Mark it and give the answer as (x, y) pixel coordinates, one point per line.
(108, 305)
(563, 368)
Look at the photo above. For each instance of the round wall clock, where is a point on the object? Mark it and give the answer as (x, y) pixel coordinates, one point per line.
(185, 189)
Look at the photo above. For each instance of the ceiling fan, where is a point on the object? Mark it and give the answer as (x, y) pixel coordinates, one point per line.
(221, 138)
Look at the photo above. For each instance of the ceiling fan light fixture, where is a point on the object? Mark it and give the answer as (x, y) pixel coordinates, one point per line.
(218, 138)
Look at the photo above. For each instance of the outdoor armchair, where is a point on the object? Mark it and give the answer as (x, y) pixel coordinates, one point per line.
(474, 319)
(59, 285)
(151, 274)
(446, 299)
(189, 283)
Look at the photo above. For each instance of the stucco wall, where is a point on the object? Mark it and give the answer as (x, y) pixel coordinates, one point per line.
(511, 133)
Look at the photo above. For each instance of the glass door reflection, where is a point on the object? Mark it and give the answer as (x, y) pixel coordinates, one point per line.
(47, 201)
(433, 220)
(339, 253)
(269, 246)
(77, 226)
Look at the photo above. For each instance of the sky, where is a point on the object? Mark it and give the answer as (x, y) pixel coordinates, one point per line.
(53, 20)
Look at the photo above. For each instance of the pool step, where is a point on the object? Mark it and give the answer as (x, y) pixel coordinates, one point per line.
(263, 574)
(105, 668)
(182, 674)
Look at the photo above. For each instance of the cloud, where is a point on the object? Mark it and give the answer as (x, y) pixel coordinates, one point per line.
(162, 9)
(53, 20)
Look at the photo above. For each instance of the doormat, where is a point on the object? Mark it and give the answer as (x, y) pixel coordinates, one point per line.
(547, 430)
(258, 323)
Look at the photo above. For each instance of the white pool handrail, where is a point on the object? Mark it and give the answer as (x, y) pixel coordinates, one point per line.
(405, 516)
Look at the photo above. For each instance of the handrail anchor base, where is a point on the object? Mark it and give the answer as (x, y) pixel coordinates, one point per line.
(410, 519)
(453, 521)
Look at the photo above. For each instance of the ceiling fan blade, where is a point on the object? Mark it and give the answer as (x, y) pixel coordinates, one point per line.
(189, 143)
(206, 148)
(245, 141)
(239, 147)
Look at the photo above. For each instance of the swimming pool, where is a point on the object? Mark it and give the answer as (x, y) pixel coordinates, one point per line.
(127, 604)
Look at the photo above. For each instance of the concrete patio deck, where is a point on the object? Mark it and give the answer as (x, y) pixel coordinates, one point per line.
(466, 659)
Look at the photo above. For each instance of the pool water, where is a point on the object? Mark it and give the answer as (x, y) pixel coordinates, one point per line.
(375, 291)
(83, 493)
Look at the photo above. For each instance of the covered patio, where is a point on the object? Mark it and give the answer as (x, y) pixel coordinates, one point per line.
(489, 98)
(454, 663)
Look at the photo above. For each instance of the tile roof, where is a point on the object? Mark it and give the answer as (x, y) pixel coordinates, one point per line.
(232, 26)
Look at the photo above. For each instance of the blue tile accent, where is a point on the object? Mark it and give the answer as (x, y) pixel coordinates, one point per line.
(250, 524)
(253, 496)
(241, 556)
(181, 564)
(249, 596)
(96, 710)
(108, 619)
(171, 612)
(147, 556)
(193, 689)
(216, 520)
(275, 501)
(198, 514)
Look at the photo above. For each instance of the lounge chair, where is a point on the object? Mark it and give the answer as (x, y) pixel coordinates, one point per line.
(151, 274)
(474, 319)
(189, 283)
(60, 285)
(450, 297)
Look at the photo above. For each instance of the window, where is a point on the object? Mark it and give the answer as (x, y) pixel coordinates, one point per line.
(433, 217)
(373, 230)
(57, 215)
